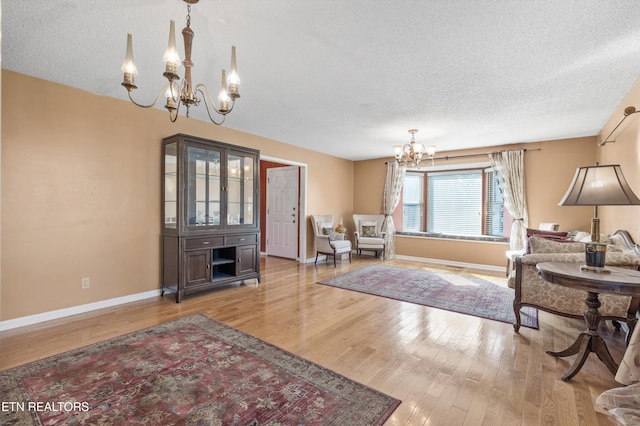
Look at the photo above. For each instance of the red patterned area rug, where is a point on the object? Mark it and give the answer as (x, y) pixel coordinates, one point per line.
(458, 292)
(192, 371)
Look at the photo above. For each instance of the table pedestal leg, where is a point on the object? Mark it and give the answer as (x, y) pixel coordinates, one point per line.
(588, 341)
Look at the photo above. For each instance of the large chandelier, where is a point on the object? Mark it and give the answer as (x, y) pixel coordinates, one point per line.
(185, 94)
(410, 154)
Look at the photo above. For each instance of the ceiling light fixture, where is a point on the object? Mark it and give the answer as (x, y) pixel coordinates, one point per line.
(185, 94)
(410, 154)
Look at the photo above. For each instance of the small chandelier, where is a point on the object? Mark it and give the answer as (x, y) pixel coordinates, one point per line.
(185, 94)
(410, 154)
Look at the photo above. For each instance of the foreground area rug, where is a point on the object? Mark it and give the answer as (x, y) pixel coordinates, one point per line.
(192, 371)
(462, 293)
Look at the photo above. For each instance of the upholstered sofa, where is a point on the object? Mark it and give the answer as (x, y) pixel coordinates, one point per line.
(531, 290)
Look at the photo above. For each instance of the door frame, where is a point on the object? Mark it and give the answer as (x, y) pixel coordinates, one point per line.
(302, 213)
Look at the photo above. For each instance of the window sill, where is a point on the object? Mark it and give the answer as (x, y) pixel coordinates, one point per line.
(454, 237)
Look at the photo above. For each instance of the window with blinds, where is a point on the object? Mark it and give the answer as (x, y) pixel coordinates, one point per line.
(413, 202)
(455, 202)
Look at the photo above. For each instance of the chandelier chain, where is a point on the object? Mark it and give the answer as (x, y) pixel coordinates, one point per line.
(188, 15)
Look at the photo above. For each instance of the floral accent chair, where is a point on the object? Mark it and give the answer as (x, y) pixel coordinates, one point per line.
(531, 290)
(369, 235)
(329, 242)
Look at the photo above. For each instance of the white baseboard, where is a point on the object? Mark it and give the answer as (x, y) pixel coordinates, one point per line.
(322, 257)
(452, 263)
(74, 310)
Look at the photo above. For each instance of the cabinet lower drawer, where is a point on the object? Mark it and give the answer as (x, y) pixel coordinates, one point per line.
(200, 243)
(240, 239)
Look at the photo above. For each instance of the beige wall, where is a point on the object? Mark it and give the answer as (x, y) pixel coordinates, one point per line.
(550, 166)
(81, 180)
(81, 193)
(626, 152)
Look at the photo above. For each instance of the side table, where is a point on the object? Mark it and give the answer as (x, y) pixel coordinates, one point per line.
(511, 256)
(625, 282)
(340, 236)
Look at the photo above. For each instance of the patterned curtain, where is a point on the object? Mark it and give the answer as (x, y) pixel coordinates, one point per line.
(391, 197)
(510, 167)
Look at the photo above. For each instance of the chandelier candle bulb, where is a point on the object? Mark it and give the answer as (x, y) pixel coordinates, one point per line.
(397, 151)
(171, 97)
(129, 67)
(234, 79)
(223, 97)
(431, 152)
(171, 58)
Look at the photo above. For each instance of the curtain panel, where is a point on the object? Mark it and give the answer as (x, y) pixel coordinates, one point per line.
(391, 198)
(510, 167)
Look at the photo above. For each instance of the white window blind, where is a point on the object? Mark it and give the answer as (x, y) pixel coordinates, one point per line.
(494, 224)
(413, 202)
(455, 202)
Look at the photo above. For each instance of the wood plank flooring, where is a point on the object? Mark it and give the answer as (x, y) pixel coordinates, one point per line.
(447, 368)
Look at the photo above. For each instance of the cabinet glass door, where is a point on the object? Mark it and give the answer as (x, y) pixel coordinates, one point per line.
(240, 190)
(203, 187)
(170, 185)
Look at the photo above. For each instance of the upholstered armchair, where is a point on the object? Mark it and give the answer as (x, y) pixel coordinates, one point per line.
(369, 235)
(329, 242)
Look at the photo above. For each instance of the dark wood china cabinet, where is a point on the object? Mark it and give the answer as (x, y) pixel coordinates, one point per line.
(210, 214)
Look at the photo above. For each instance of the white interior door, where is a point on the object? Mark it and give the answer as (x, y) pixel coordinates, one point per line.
(282, 211)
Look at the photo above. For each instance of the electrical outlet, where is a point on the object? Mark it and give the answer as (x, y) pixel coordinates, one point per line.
(86, 282)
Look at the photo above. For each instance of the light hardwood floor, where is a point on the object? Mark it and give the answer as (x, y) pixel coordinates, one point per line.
(447, 368)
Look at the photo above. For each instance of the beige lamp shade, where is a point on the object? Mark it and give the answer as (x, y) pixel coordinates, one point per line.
(599, 186)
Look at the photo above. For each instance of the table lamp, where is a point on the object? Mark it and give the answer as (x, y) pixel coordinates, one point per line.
(598, 186)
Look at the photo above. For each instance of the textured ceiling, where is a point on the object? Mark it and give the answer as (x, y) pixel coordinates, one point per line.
(349, 78)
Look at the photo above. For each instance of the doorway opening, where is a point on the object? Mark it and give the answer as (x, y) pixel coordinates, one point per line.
(283, 211)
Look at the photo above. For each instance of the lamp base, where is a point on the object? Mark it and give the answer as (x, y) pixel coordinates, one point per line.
(595, 254)
(597, 269)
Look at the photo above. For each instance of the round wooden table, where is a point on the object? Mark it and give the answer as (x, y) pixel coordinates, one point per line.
(625, 282)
